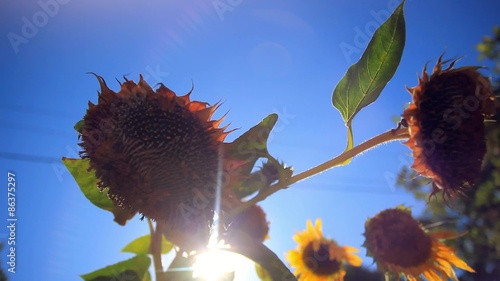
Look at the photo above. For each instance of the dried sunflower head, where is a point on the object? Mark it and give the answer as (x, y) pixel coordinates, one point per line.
(158, 153)
(400, 245)
(446, 126)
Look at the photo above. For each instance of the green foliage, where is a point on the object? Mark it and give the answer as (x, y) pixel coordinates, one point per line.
(262, 273)
(141, 245)
(248, 148)
(134, 269)
(262, 178)
(86, 180)
(79, 126)
(361, 86)
(365, 80)
(252, 144)
(489, 48)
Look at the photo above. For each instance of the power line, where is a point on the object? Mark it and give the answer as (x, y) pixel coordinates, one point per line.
(36, 111)
(29, 157)
(50, 160)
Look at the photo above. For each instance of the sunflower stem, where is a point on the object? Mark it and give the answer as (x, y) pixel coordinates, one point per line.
(388, 136)
(155, 248)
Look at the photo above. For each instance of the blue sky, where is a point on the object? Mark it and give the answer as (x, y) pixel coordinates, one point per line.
(258, 57)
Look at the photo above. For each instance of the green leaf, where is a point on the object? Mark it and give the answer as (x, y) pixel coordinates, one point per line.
(365, 80)
(79, 126)
(252, 145)
(262, 178)
(147, 277)
(134, 269)
(246, 150)
(141, 245)
(262, 273)
(86, 180)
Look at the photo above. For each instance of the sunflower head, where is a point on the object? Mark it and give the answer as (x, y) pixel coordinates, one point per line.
(158, 153)
(252, 221)
(399, 244)
(446, 126)
(319, 258)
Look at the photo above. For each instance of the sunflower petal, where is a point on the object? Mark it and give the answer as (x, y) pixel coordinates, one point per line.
(354, 260)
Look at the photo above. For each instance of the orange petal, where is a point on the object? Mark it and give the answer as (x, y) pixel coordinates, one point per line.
(354, 260)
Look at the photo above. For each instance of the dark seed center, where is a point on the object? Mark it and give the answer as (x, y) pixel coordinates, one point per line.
(452, 129)
(319, 261)
(398, 239)
(172, 146)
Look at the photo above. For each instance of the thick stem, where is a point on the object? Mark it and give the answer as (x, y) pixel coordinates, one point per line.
(391, 135)
(242, 244)
(155, 248)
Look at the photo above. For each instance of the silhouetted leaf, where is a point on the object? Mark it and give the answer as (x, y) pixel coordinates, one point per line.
(261, 179)
(242, 244)
(246, 150)
(252, 145)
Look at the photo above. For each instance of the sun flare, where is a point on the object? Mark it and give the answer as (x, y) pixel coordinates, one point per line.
(215, 263)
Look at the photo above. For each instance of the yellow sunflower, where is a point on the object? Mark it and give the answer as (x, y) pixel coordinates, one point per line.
(158, 153)
(319, 258)
(400, 245)
(446, 126)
